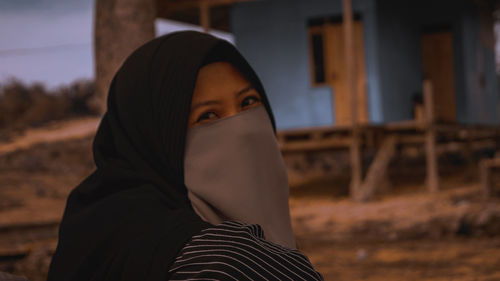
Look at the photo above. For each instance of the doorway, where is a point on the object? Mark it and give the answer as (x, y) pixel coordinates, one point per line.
(438, 67)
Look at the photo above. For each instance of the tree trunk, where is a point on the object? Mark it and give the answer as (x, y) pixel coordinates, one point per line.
(120, 26)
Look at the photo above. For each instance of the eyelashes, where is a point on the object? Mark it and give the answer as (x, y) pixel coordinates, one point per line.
(248, 102)
(206, 116)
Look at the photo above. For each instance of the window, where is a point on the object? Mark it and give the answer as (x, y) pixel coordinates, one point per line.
(318, 47)
(318, 62)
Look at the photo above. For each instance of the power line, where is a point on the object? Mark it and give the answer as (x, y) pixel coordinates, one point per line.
(25, 51)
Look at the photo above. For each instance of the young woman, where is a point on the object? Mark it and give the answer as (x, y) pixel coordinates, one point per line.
(190, 183)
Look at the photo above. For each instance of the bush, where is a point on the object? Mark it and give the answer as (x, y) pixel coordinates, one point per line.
(23, 106)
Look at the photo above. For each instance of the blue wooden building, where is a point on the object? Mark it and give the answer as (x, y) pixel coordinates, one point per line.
(296, 46)
(399, 50)
(417, 73)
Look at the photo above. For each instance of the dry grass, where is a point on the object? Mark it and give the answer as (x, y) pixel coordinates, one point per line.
(23, 106)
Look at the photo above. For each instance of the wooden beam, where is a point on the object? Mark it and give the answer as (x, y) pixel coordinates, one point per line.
(178, 6)
(378, 169)
(350, 63)
(315, 145)
(485, 168)
(432, 175)
(350, 60)
(205, 15)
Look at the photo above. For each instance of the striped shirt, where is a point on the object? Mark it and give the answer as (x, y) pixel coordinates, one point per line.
(236, 251)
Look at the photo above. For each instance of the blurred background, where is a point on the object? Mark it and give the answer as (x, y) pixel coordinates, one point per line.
(388, 115)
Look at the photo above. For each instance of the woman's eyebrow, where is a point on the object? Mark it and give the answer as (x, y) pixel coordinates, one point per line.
(203, 103)
(244, 90)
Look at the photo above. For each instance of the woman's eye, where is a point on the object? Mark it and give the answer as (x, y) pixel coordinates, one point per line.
(207, 116)
(251, 100)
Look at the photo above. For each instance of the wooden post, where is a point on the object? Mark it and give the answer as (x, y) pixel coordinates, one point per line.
(468, 151)
(432, 175)
(355, 153)
(378, 169)
(486, 167)
(484, 176)
(205, 15)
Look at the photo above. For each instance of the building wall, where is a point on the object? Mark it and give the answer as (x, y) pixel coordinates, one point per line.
(273, 36)
(400, 24)
(480, 78)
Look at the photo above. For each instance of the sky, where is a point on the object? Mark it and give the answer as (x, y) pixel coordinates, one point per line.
(50, 41)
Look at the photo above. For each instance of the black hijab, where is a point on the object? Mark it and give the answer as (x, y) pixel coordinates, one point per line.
(129, 219)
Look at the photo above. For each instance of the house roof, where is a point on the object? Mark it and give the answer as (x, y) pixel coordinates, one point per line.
(188, 11)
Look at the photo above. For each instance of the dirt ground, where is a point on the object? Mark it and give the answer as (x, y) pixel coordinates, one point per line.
(406, 234)
(448, 236)
(420, 259)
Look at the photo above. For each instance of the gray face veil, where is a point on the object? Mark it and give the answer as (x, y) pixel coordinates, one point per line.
(233, 170)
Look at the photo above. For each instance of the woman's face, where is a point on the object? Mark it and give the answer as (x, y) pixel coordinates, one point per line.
(220, 91)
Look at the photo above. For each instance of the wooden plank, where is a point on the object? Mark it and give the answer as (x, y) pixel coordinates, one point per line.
(315, 145)
(378, 169)
(336, 72)
(411, 139)
(403, 125)
(409, 133)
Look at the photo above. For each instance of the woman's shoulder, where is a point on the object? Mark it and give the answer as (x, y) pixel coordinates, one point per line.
(237, 251)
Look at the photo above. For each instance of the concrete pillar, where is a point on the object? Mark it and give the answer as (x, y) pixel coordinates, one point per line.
(120, 26)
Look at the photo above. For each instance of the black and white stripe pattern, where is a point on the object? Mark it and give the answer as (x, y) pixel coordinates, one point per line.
(236, 251)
